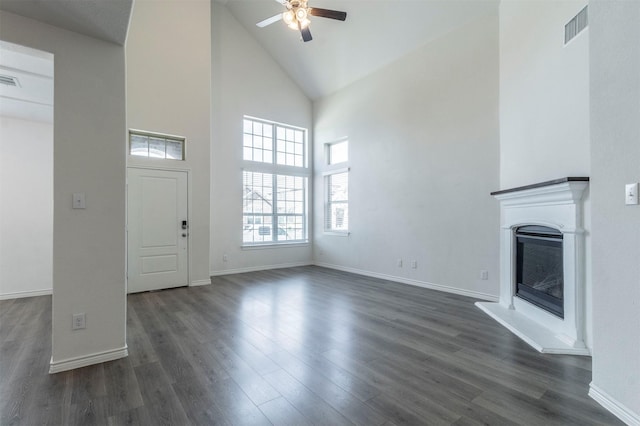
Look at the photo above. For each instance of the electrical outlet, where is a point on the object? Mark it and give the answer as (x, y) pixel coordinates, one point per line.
(79, 322)
(79, 200)
(484, 275)
(414, 264)
(399, 263)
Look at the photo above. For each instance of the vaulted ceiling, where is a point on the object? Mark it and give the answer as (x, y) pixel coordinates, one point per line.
(375, 33)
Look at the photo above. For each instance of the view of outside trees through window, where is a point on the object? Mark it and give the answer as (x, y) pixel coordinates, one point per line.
(274, 183)
(337, 215)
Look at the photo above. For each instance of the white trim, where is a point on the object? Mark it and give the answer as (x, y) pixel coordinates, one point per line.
(540, 338)
(85, 360)
(417, 283)
(258, 268)
(271, 245)
(336, 171)
(616, 408)
(200, 282)
(30, 293)
(337, 233)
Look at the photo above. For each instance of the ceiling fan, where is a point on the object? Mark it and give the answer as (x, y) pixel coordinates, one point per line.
(297, 16)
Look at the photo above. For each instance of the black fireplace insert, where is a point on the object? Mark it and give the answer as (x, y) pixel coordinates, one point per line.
(539, 268)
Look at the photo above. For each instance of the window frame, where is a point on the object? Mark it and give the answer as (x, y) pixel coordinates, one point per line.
(276, 170)
(328, 203)
(330, 170)
(167, 137)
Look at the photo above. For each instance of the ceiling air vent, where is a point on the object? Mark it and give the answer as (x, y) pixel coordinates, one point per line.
(576, 25)
(8, 80)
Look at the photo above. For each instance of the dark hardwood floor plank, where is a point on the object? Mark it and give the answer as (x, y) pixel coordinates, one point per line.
(321, 382)
(312, 407)
(253, 384)
(304, 345)
(280, 412)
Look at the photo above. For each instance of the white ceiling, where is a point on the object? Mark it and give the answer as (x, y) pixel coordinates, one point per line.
(32, 99)
(103, 19)
(375, 33)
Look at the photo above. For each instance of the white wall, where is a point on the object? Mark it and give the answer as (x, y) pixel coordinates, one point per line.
(246, 81)
(544, 93)
(168, 91)
(423, 135)
(26, 208)
(544, 103)
(89, 156)
(615, 153)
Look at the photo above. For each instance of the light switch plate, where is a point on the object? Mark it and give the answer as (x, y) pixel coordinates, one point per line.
(631, 194)
(78, 200)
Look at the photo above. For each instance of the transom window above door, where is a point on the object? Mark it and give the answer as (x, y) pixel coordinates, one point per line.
(156, 145)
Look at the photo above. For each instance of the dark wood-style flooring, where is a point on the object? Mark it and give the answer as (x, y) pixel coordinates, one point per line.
(295, 347)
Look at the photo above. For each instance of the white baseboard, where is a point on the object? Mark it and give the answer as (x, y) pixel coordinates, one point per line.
(200, 282)
(30, 293)
(417, 283)
(258, 268)
(85, 360)
(616, 408)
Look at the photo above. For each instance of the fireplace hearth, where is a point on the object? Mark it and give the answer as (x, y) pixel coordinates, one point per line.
(542, 268)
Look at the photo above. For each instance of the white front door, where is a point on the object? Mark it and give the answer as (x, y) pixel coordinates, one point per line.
(158, 232)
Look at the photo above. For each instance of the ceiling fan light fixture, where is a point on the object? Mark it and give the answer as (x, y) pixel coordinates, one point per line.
(297, 16)
(301, 14)
(304, 23)
(289, 18)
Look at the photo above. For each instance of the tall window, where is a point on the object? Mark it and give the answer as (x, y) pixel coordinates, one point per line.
(275, 182)
(337, 188)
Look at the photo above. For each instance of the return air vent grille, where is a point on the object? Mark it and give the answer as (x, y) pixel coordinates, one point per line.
(576, 25)
(8, 80)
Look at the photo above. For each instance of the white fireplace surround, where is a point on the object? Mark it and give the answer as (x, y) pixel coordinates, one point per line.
(557, 204)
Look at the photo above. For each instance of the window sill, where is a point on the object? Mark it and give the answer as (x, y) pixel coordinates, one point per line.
(275, 245)
(337, 233)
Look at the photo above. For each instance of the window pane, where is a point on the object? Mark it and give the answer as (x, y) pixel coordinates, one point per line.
(291, 143)
(174, 150)
(156, 148)
(338, 152)
(139, 145)
(337, 209)
(274, 204)
(248, 125)
(258, 135)
(257, 207)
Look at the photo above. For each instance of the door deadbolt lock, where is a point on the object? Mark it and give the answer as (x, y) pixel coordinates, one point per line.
(185, 225)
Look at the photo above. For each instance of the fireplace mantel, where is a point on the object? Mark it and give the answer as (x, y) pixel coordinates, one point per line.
(556, 204)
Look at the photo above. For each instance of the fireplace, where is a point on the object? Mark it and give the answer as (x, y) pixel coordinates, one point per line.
(539, 273)
(542, 265)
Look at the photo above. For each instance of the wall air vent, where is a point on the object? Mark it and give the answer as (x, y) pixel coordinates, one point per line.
(576, 25)
(8, 80)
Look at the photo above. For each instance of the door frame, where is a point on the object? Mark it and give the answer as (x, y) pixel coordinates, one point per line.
(187, 170)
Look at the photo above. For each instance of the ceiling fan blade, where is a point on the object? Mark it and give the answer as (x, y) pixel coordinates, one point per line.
(327, 13)
(269, 21)
(306, 33)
